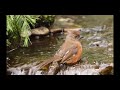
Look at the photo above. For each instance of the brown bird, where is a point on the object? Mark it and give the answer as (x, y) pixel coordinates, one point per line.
(71, 49)
(69, 52)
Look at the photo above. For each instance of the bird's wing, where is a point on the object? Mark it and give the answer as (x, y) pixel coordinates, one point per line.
(64, 48)
(72, 51)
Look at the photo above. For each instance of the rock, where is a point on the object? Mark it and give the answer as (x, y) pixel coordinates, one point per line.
(106, 71)
(98, 44)
(94, 44)
(67, 20)
(94, 38)
(104, 44)
(64, 22)
(83, 70)
(93, 30)
(86, 30)
(40, 31)
(97, 28)
(79, 69)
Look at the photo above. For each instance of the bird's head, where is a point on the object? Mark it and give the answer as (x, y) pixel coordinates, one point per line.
(75, 34)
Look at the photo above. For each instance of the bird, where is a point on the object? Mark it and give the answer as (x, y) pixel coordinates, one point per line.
(71, 50)
(69, 53)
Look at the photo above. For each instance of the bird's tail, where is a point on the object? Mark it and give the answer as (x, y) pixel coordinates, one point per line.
(47, 62)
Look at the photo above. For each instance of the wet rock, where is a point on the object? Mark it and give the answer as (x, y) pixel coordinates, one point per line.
(98, 44)
(97, 28)
(94, 44)
(106, 71)
(86, 30)
(64, 22)
(87, 69)
(94, 38)
(104, 44)
(93, 30)
(40, 31)
(79, 69)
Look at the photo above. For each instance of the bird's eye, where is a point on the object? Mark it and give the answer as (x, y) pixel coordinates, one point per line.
(77, 36)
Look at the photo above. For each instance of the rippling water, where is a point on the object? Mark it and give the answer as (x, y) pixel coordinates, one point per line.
(41, 49)
(44, 47)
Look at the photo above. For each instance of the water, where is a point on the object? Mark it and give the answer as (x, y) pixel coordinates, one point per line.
(44, 47)
(41, 49)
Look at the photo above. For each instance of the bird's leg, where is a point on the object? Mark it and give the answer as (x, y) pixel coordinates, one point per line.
(63, 66)
(53, 69)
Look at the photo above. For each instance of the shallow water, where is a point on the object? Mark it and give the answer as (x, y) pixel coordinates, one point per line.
(46, 46)
(41, 49)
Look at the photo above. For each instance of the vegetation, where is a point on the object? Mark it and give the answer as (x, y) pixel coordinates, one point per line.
(19, 26)
(45, 20)
(16, 24)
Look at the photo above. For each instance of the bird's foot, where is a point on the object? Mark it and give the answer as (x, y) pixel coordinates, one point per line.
(63, 66)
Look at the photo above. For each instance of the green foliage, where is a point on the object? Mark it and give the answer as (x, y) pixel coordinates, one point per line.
(17, 24)
(8, 43)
